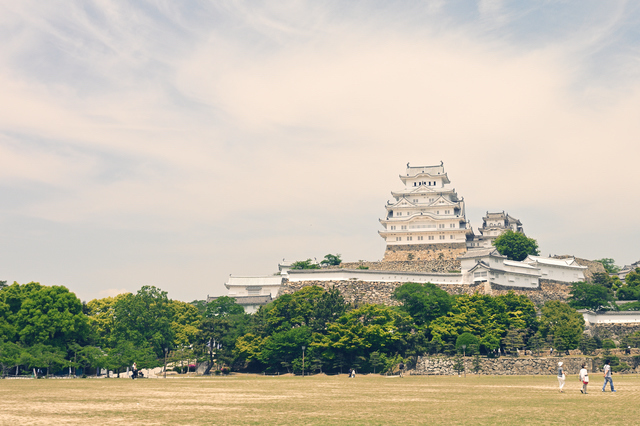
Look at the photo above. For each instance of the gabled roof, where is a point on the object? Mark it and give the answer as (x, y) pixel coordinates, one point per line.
(567, 263)
(481, 252)
(480, 265)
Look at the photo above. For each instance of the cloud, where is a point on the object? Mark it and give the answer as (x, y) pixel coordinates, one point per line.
(168, 145)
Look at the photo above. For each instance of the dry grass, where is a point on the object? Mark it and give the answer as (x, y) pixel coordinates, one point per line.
(366, 400)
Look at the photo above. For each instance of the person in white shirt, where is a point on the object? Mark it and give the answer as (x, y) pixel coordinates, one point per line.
(607, 376)
(561, 376)
(584, 378)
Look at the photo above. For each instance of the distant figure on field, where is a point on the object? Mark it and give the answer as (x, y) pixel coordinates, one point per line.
(584, 378)
(607, 376)
(561, 376)
(401, 368)
(134, 371)
(551, 352)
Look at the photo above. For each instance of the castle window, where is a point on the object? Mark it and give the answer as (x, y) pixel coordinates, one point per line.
(420, 238)
(398, 238)
(409, 238)
(404, 227)
(451, 237)
(442, 237)
(431, 237)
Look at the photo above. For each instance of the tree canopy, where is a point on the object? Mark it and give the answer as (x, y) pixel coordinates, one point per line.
(609, 265)
(424, 302)
(305, 264)
(590, 296)
(331, 259)
(515, 245)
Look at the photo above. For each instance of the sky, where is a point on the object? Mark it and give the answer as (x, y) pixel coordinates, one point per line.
(175, 143)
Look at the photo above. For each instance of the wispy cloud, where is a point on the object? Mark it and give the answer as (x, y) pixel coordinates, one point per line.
(187, 142)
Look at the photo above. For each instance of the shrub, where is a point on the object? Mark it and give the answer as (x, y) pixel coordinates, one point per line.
(225, 370)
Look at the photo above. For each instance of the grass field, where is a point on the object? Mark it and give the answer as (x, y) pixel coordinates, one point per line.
(365, 400)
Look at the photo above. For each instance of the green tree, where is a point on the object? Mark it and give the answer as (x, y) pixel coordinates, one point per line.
(561, 321)
(10, 355)
(590, 296)
(609, 265)
(185, 323)
(331, 259)
(514, 340)
(587, 345)
(144, 319)
(424, 302)
(223, 306)
(470, 343)
(305, 264)
(515, 245)
(37, 314)
(375, 360)
(485, 316)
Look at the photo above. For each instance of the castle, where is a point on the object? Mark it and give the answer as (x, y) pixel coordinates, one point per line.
(428, 239)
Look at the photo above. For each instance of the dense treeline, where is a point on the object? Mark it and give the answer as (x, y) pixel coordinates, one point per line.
(50, 329)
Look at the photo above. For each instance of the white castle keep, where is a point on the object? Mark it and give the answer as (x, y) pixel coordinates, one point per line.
(425, 211)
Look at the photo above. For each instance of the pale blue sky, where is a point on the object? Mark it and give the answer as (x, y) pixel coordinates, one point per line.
(175, 143)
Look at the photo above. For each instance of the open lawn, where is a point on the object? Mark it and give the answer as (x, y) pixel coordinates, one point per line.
(365, 400)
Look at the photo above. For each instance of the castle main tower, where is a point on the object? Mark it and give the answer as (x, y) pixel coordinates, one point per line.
(426, 219)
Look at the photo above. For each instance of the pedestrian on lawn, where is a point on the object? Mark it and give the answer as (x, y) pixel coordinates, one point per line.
(607, 376)
(561, 376)
(584, 378)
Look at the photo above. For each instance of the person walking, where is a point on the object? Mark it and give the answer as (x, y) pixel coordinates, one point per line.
(561, 376)
(607, 376)
(401, 368)
(584, 378)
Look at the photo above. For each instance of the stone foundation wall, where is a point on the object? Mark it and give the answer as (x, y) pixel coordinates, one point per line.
(354, 292)
(523, 366)
(437, 265)
(361, 292)
(443, 251)
(611, 331)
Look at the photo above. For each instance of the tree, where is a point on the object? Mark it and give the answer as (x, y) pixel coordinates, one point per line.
(485, 316)
(424, 302)
(609, 265)
(144, 319)
(222, 307)
(331, 259)
(561, 321)
(631, 288)
(375, 360)
(49, 315)
(305, 264)
(470, 343)
(515, 245)
(587, 344)
(514, 340)
(590, 296)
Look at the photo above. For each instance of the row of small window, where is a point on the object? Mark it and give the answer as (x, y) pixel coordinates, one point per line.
(430, 183)
(440, 226)
(430, 237)
(409, 213)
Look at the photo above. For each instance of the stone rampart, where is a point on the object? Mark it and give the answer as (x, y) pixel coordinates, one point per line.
(435, 265)
(354, 292)
(611, 331)
(517, 366)
(450, 251)
(361, 292)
